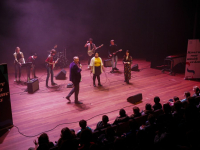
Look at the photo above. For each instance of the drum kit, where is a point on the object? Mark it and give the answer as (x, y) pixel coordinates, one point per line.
(62, 63)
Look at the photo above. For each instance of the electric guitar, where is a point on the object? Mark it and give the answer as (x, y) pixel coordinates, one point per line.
(53, 63)
(91, 52)
(109, 56)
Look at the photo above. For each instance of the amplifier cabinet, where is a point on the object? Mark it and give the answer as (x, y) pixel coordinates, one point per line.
(33, 85)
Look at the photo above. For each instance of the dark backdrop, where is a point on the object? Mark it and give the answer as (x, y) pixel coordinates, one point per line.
(150, 29)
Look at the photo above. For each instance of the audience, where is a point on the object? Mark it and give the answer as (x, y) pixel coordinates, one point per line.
(148, 109)
(186, 95)
(123, 117)
(177, 128)
(67, 140)
(103, 124)
(136, 112)
(157, 104)
(196, 91)
(83, 125)
(43, 143)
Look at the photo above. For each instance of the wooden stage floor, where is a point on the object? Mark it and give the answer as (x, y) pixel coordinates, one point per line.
(47, 108)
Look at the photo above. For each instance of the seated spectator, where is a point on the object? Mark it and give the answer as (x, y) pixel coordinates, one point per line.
(157, 104)
(178, 113)
(43, 143)
(67, 140)
(83, 125)
(172, 101)
(166, 118)
(86, 139)
(104, 123)
(148, 109)
(108, 138)
(123, 117)
(196, 91)
(186, 95)
(136, 112)
(191, 111)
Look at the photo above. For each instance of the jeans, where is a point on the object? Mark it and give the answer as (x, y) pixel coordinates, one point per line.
(29, 72)
(49, 71)
(114, 59)
(17, 68)
(75, 90)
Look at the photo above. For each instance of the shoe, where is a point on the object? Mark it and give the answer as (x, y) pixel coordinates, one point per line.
(127, 82)
(19, 80)
(68, 99)
(94, 85)
(78, 102)
(116, 68)
(15, 80)
(124, 80)
(99, 84)
(35, 77)
(112, 71)
(53, 83)
(47, 86)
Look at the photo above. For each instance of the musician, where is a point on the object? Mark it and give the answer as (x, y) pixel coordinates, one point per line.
(31, 60)
(127, 61)
(96, 65)
(19, 60)
(50, 65)
(75, 77)
(91, 46)
(113, 55)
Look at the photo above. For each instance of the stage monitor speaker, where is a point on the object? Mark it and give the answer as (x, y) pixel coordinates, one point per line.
(135, 68)
(61, 75)
(135, 98)
(32, 85)
(108, 63)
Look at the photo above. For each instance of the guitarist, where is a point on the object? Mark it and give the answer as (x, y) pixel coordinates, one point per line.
(91, 46)
(50, 65)
(113, 55)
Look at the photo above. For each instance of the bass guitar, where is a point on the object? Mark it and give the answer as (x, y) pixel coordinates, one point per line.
(91, 52)
(109, 56)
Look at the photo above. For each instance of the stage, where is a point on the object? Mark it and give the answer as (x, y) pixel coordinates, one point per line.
(48, 109)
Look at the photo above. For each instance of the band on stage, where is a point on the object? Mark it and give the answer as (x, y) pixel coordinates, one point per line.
(95, 64)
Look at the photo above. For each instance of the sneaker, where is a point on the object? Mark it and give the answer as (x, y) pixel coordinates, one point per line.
(15, 80)
(112, 71)
(67, 97)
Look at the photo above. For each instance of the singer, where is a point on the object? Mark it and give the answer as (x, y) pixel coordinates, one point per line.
(75, 77)
(96, 65)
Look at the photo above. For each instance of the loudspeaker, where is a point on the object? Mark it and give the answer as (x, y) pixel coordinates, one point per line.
(108, 63)
(135, 98)
(61, 75)
(33, 85)
(135, 68)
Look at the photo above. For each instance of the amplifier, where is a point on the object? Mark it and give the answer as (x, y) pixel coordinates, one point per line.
(108, 63)
(33, 85)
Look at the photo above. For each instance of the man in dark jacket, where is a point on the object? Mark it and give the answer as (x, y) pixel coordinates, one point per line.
(75, 77)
